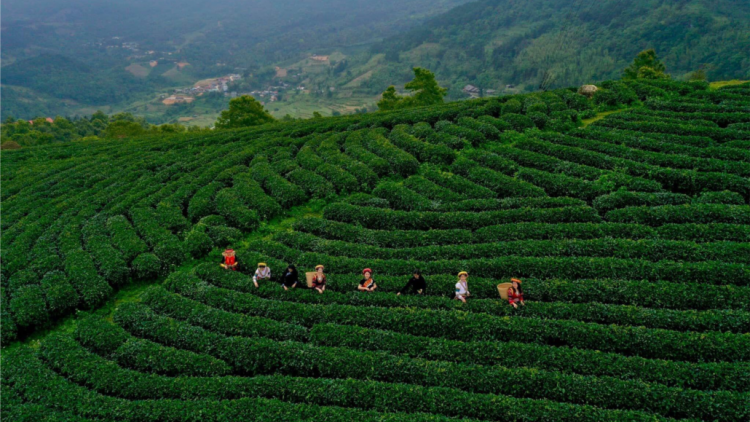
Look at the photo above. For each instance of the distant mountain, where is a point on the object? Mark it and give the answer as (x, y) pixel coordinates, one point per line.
(210, 29)
(77, 50)
(64, 78)
(492, 43)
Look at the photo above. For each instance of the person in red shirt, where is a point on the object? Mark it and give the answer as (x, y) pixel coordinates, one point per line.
(319, 281)
(229, 261)
(515, 293)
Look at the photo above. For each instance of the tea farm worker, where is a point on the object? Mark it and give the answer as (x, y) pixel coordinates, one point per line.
(416, 284)
(462, 287)
(290, 278)
(262, 273)
(515, 293)
(367, 284)
(228, 260)
(319, 281)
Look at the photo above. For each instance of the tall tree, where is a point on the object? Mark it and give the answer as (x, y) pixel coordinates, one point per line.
(390, 99)
(243, 111)
(424, 91)
(646, 66)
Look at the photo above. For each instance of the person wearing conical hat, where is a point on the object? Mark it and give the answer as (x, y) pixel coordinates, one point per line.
(319, 280)
(515, 293)
(367, 284)
(462, 287)
(229, 260)
(262, 273)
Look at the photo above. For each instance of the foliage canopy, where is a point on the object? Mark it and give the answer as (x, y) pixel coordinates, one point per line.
(424, 91)
(244, 111)
(646, 65)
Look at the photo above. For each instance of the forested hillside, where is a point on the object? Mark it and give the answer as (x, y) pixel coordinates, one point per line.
(493, 43)
(629, 231)
(73, 54)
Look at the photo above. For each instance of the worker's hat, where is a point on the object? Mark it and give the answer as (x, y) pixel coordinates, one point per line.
(319, 266)
(366, 270)
(516, 280)
(262, 264)
(228, 253)
(463, 273)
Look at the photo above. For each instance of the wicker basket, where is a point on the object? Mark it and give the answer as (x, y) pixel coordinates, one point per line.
(502, 288)
(310, 277)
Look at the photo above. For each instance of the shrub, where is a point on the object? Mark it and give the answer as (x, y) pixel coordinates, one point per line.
(197, 242)
(165, 244)
(457, 184)
(28, 306)
(223, 235)
(313, 184)
(540, 120)
(230, 206)
(401, 220)
(252, 195)
(402, 198)
(518, 122)
(720, 135)
(432, 190)
(490, 131)
(623, 199)
(423, 130)
(682, 214)
(125, 238)
(82, 274)
(401, 162)
(425, 152)
(9, 328)
(724, 197)
(525, 355)
(23, 278)
(682, 181)
(503, 186)
(146, 266)
(499, 124)
(284, 167)
(170, 216)
(512, 107)
(286, 193)
(615, 94)
(340, 178)
(354, 148)
(462, 133)
(59, 294)
(367, 200)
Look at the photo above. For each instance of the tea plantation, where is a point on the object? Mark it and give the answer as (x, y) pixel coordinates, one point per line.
(631, 235)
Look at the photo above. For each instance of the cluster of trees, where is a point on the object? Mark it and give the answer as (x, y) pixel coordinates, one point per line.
(424, 91)
(16, 134)
(646, 66)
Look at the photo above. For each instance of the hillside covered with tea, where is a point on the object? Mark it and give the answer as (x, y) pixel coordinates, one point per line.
(624, 213)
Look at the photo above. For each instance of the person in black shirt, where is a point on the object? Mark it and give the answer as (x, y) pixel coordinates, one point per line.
(290, 278)
(416, 285)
